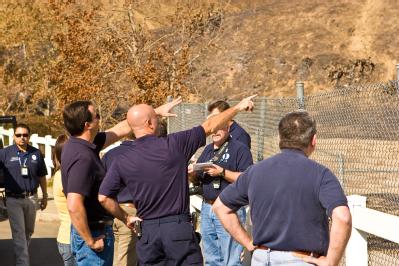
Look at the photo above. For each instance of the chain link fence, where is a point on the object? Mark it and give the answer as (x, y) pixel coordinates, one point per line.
(358, 139)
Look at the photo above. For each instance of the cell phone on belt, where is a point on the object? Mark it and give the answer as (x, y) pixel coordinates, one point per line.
(137, 228)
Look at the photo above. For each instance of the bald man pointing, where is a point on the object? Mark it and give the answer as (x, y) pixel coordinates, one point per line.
(92, 241)
(155, 172)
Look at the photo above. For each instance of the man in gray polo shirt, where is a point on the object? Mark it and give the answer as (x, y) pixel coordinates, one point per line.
(291, 198)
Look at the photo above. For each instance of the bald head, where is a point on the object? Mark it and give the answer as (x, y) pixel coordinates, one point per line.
(142, 119)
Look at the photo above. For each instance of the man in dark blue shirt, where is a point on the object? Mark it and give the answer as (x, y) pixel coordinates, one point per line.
(82, 173)
(24, 170)
(291, 198)
(230, 157)
(125, 238)
(235, 130)
(155, 172)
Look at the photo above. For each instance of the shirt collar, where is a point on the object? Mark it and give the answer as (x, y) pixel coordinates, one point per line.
(297, 151)
(83, 142)
(233, 126)
(16, 149)
(228, 139)
(144, 138)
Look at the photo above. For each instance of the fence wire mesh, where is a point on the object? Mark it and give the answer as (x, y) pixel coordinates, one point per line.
(358, 139)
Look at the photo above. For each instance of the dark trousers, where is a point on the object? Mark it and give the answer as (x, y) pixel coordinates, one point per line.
(168, 241)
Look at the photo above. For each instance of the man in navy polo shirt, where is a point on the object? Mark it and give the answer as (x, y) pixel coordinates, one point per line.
(291, 198)
(235, 130)
(82, 172)
(125, 238)
(230, 157)
(24, 170)
(155, 172)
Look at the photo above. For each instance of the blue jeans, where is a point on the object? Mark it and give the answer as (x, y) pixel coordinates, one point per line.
(219, 248)
(66, 254)
(270, 258)
(85, 256)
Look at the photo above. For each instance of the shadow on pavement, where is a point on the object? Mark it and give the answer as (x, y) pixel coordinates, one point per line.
(43, 252)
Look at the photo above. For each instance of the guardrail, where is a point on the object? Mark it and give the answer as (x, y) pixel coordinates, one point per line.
(364, 220)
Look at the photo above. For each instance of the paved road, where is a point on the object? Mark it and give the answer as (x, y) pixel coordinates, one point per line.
(43, 248)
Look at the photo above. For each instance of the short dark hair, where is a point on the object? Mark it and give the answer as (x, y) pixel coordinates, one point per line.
(59, 144)
(22, 125)
(76, 115)
(296, 130)
(220, 105)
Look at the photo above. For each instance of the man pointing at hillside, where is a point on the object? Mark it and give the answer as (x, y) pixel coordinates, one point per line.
(155, 172)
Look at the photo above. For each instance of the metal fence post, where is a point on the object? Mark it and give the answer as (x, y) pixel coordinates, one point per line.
(260, 133)
(356, 250)
(341, 169)
(169, 98)
(300, 94)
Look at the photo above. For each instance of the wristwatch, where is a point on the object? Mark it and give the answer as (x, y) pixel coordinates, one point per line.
(223, 174)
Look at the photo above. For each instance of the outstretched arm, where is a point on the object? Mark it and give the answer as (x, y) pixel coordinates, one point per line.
(212, 124)
(122, 129)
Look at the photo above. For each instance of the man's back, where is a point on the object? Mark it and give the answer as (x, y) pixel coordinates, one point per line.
(155, 172)
(82, 173)
(290, 196)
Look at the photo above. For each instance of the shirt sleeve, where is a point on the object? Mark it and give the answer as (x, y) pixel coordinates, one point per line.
(244, 159)
(235, 195)
(112, 183)
(105, 161)
(188, 141)
(331, 194)
(245, 138)
(99, 141)
(42, 171)
(2, 158)
(80, 178)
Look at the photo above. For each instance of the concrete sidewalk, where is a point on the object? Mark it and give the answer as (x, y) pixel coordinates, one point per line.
(43, 248)
(50, 214)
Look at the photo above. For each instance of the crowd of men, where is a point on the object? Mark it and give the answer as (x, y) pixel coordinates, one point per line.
(132, 206)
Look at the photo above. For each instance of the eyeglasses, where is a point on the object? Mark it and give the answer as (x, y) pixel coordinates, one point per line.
(22, 135)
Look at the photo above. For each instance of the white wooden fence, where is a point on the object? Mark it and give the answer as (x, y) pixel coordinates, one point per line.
(364, 220)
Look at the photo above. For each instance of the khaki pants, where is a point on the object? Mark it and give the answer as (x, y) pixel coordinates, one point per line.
(22, 216)
(125, 241)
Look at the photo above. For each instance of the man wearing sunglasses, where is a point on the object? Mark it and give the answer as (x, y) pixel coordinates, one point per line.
(24, 171)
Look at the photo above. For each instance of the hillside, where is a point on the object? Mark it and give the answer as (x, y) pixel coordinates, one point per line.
(122, 51)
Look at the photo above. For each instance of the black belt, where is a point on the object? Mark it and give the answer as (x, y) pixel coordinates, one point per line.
(100, 225)
(168, 219)
(22, 195)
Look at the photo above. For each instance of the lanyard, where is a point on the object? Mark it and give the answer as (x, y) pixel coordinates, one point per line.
(19, 159)
(220, 152)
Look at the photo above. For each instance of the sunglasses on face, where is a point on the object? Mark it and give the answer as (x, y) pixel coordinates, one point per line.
(22, 135)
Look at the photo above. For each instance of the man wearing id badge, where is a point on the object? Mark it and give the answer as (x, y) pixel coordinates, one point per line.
(24, 171)
(220, 164)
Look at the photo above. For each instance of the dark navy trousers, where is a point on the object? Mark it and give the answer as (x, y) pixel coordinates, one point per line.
(168, 241)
